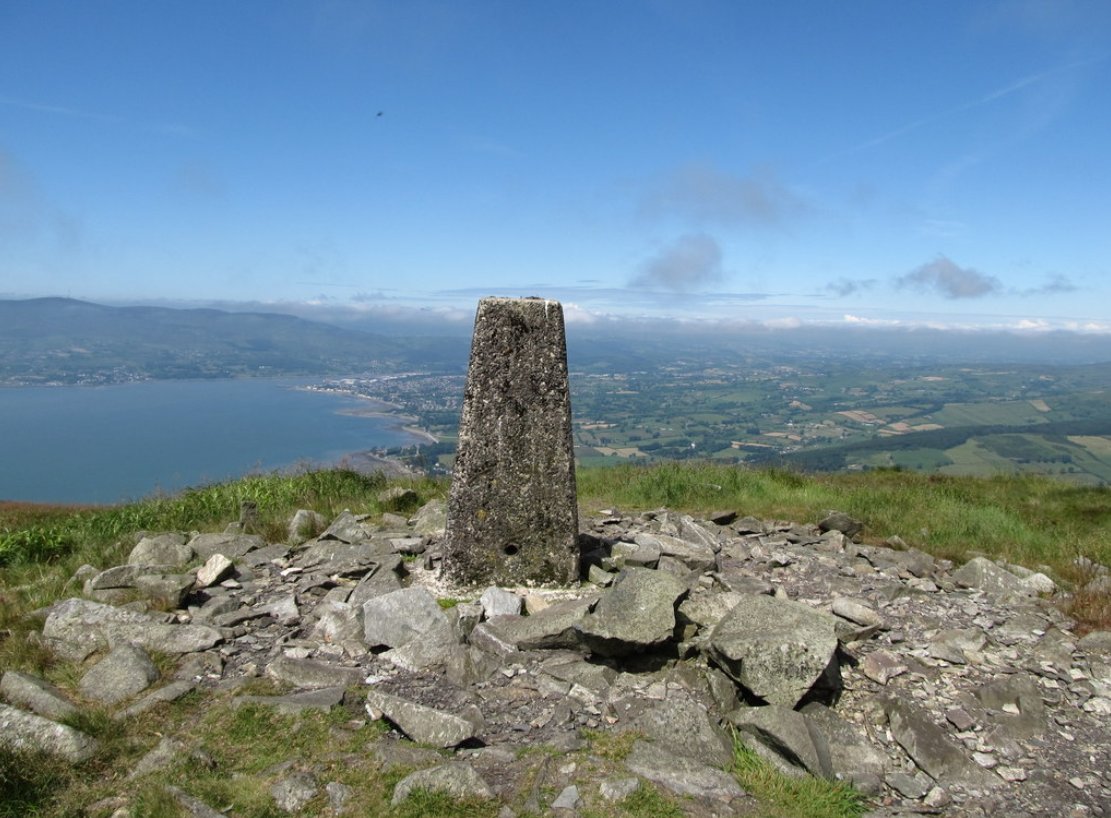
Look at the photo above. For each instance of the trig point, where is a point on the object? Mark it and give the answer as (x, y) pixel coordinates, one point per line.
(512, 515)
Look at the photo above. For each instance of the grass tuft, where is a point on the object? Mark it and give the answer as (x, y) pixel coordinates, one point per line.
(786, 797)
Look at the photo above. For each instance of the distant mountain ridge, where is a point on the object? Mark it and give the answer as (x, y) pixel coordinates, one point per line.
(64, 340)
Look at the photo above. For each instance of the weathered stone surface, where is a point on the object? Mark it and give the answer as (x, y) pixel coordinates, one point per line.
(512, 513)
(550, 629)
(292, 793)
(26, 731)
(126, 671)
(430, 519)
(167, 693)
(77, 627)
(840, 521)
(787, 733)
(636, 614)
(497, 601)
(697, 556)
(458, 779)
(396, 618)
(215, 569)
(680, 774)
(984, 575)
(686, 728)
(932, 750)
(161, 549)
(232, 546)
(304, 524)
(852, 757)
(776, 648)
(422, 724)
(311, 674)
(1018, 705)
(35, 694)
(121, 576)
(193, 806)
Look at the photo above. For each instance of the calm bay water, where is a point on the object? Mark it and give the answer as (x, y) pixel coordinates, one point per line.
(105, 444)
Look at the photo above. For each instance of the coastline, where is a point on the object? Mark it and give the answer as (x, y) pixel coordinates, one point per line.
(381, 410)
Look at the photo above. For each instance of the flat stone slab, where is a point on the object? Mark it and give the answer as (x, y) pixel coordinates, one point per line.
(35, 694)
(22, 731)
(637, 613)
(125, 672)
(396, 618)
(776, 648)
(681, 775)
(78, 627)
(324, 698)
(422, 724)
(458, 779)
(312, 674)
(932, 750)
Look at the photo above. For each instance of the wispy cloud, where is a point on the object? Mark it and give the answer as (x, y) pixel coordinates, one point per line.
(1056, 284)
(994, 95)
(689, 263)
(949, 280)
(166, 128)
(704, 194)
(843, 287)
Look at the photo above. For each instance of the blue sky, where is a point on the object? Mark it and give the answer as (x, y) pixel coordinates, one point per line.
(940, 163)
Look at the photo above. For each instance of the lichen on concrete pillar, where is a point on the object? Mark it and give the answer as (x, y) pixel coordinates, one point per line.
(512, 514)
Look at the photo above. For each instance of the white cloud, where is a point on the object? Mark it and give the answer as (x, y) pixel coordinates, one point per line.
(949, 280)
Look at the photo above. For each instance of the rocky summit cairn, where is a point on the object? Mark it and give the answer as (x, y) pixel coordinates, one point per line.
(512, 516)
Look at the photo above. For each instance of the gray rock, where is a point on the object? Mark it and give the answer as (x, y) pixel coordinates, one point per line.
(166, 753)
(953, 645)
(396, 618)
(430, 519)
(1096, 642)
(568, 798)
(776, 648)
(840, 521)
(686, 728)
(458, 779)
(165, 590)
(636, 614)
(304, 524)
(126, 671)
(681, 775)
(882, 666)
(788, 734)
(76, 627)
(340, 624)
(931, 749)
(1017, 700)
(856, 611)
(618, 789)
(167, 693)
(35, 694)
(338, 796)
(313, 675)
(121, 576)
(193, 806)
(984, 575)
(232, 546)
(706, 608)
(852, 756)
(292, 793)
(161, 549)
(349, 529)
(697, 556)
(497, 601)
(22, 731)
(422, 724)
(215, 569)
(551, 629)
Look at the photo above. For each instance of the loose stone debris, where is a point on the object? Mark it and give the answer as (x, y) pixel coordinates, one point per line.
(932, 689)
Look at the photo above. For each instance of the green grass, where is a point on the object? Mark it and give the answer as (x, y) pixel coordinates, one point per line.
(782, 796)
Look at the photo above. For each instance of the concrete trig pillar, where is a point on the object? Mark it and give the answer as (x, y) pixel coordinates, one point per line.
(512, 514)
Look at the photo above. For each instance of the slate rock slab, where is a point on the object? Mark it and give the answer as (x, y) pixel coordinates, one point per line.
(126, 671)
(931, 748)
(76, 628)
(775, 648)
(23, 731)
(636, 614)
(681, 775)
(161, 549)
(422, 724)
(458, 779)
(393, 619)
(35, 694)
(310, 674)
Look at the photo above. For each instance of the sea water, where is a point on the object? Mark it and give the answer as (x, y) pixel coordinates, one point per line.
(105, 444)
